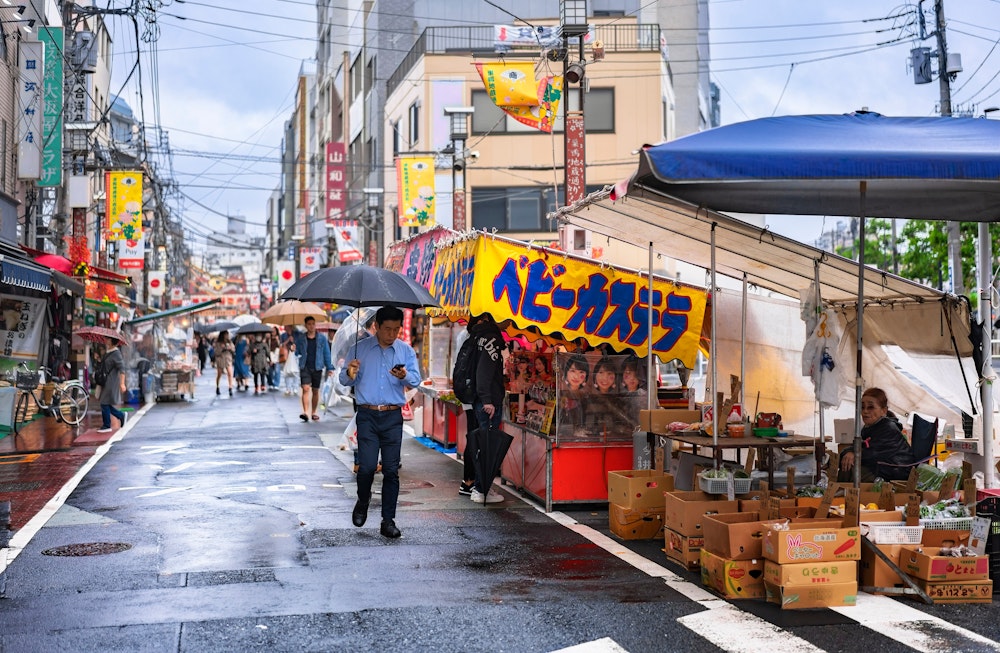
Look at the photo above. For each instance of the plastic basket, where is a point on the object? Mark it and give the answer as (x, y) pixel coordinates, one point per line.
(948, 524)
(719, 485)
(26, 380)
(891, 533)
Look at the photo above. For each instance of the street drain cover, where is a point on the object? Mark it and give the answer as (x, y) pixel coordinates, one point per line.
(88, 549)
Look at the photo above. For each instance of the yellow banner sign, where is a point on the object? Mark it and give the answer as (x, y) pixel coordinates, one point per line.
(542, 116)
(124, 205)
(510, 84)
(415, 187)
(570, 298)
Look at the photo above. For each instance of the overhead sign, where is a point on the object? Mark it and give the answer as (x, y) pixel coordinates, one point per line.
(30, 106)
(346, 235)
(157, 282)
(52, 115)
(336, 181)
(124, 205)
(415, 188)
(131, 254)
(570, 298)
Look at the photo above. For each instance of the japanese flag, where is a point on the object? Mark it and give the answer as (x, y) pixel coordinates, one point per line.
(157, 282)
(286, 274)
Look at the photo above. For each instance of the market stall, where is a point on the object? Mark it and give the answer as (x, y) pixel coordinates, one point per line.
(160, 362)
(569, 432)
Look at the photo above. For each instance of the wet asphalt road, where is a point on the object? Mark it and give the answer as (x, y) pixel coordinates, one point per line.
(234, 517)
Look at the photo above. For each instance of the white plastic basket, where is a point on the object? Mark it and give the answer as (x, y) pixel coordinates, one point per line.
(893, 533)
(948, 524)
(719, 485)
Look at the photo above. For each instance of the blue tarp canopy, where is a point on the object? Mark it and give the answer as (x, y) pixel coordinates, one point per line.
(929, 168)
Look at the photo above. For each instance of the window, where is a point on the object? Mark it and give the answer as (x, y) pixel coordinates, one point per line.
(525, 212)
(516, 209)
(370, 76)
(394, 126)
(599, 114)
(414, 134)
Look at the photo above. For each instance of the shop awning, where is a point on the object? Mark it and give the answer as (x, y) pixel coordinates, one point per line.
(24, 274)
(174, 312)
(102, 307)
(69, 283)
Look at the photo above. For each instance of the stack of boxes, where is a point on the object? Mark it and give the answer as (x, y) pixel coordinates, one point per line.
(683, 528)
(947, 578)
(811, 566)
(635, 503)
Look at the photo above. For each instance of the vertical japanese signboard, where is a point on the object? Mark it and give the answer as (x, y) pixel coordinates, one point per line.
(52, 122)
(30, 105)
(415, 188)
(336, 182)
(124, 205)
(575, 158)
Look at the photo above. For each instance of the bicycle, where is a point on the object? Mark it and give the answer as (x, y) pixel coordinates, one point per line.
(69, 398)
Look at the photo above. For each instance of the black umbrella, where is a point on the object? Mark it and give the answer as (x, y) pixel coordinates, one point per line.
(214, 327)
(360, 285)
(490, 447)
(255, 327)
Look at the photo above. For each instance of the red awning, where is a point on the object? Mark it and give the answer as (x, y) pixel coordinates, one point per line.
(64, 265)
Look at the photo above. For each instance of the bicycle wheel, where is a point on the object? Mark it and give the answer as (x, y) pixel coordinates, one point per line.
(72, 406)
(21, 411)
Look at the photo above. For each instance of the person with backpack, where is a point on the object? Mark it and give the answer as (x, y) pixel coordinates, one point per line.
(478, 380)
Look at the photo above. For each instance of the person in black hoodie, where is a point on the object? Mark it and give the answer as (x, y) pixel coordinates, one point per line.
(488, 405)
(885, 453)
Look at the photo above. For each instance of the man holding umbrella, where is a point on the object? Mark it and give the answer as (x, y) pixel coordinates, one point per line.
(381, 371)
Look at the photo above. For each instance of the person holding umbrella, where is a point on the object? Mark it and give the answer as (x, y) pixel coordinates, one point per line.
(314, 359)
(113, 366)
(381, 371)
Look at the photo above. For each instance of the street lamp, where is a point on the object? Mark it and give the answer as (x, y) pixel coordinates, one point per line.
(459, 118)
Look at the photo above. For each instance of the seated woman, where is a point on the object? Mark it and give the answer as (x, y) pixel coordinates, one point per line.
(885, 453)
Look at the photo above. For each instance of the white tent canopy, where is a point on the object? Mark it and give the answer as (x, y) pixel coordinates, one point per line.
(930, 326)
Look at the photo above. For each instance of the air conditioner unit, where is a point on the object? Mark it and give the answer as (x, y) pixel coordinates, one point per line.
(84, 55)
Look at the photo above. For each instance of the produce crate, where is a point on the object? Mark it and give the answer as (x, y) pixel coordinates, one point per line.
(990, 507)
(893, 533)
(948, 523)
(719, 485)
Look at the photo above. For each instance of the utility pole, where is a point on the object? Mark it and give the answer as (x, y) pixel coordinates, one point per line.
(944, 84)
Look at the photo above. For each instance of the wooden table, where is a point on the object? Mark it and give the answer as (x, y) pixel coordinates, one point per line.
(752, 442)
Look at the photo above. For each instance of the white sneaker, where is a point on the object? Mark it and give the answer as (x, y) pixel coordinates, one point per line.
(479, 497)
(108, 430)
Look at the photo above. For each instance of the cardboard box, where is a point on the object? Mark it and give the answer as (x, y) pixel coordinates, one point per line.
(875, 573)
(756, 505)
(819, 596)
(943, 537)
(684, 549)
(805, 543)
(928, 565)
(655, 421)
(685, 511)
(639, 489)
(805, 574)
(977, 591)
(629, 524)
(733, 579)
(734, 536)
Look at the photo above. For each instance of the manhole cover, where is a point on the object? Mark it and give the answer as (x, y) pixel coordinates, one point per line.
(88, 549)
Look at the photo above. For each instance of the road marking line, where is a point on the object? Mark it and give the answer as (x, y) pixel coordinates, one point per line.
(914, 628)
(732, 629)
(603, 645)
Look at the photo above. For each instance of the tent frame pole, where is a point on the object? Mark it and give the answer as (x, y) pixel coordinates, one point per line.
(986, 373)
(652, 395)
(821, 442)
(715, 403)
(858, 379)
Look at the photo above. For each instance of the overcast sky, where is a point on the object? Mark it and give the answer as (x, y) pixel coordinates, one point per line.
(226, 76)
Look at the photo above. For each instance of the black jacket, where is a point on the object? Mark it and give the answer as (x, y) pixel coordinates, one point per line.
(489, 362)
(883, 442)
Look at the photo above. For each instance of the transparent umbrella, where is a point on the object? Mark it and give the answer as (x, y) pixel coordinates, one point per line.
(350, 332)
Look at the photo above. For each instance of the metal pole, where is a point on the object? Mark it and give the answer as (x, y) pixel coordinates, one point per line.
(858, 381)
(944, 85)
(716, 407)
(651, 390)
(986, 373)
(743, 348)
(822, 418)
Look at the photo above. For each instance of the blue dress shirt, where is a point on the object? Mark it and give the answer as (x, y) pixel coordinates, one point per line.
(373, 383)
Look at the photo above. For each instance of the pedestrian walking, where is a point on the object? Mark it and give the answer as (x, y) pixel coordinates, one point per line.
(202, 354)
(381, 372)
(113, 367)
(274, 369)
(241, 364)
(225, 350)
(260, 363)
(314, 361)
(291, 369)
(488, 403)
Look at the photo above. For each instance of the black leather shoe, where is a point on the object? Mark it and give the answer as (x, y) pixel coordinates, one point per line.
(389, 529)
(360, 514)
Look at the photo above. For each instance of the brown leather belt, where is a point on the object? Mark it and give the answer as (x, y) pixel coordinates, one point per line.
(380, 407)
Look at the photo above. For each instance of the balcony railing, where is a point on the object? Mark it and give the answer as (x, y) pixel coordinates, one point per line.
(479, 40)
